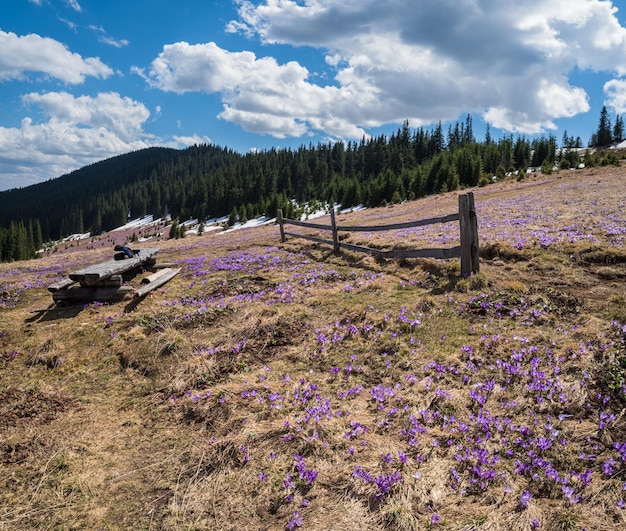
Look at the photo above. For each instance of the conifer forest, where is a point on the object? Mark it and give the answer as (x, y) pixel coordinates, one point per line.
(208, 181)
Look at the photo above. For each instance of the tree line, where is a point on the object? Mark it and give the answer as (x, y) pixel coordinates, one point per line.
(20, 241)
(205, 181)
(608, 133)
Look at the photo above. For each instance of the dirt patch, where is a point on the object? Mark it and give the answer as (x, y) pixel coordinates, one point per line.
(492, 251)
(599, 255)
(19, 406)
(271, 337)
(18, 452)
(240, 286)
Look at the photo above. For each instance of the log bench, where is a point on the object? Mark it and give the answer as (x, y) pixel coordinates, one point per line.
(103, 282)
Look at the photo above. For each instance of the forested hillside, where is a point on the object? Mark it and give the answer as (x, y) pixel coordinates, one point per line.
(210, 181)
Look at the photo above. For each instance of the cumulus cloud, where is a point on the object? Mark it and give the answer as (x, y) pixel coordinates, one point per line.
(615, 91)
(20, 55)
(122, 116)
(426, 61)
(79, 131)
(258, 93)
(186, 141)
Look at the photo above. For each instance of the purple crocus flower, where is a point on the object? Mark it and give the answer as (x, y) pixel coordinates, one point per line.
(524, 499)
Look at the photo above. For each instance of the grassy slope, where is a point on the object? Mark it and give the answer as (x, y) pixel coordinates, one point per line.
(279, 386)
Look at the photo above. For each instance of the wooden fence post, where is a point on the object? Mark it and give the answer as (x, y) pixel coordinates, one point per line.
(468, 225)
(466, 245)
(282, 228)
(333, 223)
(475, 249)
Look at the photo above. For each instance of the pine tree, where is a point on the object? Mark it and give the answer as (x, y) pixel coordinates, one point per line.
(618, 129)
(436, 142)
(604, 136)
(521, 153)
(234, 216)
(30, 240)
(468, 133)
(566, 142)
(37, 235)
(174, 229)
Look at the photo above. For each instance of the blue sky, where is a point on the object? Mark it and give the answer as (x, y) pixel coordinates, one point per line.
(85, 80)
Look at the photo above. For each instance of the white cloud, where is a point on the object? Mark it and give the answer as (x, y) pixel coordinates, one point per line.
(426, 61)
(33, 53)
(122, 116)
(73, 4)
(615, 91)
(72, 25)
(116, 43)
(186, 141)
(259, 94)
(80, 131)
(106, 39)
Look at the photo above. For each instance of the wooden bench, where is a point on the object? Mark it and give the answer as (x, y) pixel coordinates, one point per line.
(104, 281)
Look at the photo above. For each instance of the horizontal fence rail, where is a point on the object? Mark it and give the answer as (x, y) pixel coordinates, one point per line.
(467, 251)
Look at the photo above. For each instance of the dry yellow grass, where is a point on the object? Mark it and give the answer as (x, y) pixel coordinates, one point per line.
(279, 386)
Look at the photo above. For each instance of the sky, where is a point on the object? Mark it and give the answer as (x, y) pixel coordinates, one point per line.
(85, 80)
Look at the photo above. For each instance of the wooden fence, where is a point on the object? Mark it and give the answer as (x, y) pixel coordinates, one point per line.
(467, 251)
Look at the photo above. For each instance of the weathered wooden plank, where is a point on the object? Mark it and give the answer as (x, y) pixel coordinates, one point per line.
(465, 236)
(287, 221)
(376, 228)
(155, 276)
(333, 222)
(61, 284)
(93, 274)
(110, 282)
(157, 280)
(441, 254)
(473, 226)
(91, 294)
(281, 225)
(397, 226)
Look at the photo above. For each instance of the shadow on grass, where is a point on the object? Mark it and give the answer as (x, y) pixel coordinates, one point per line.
(444, 275)
(54, 312)
(134, 302)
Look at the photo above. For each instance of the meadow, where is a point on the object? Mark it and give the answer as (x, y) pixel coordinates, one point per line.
(276, 386)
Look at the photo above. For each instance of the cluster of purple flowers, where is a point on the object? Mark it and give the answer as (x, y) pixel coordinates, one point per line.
(383, 482)
(506, 405)
(503, 305)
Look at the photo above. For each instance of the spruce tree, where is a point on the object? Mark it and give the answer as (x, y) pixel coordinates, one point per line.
(174, 229)
(37, 235)
(618, 129)
(604, 135)
(234, 216)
